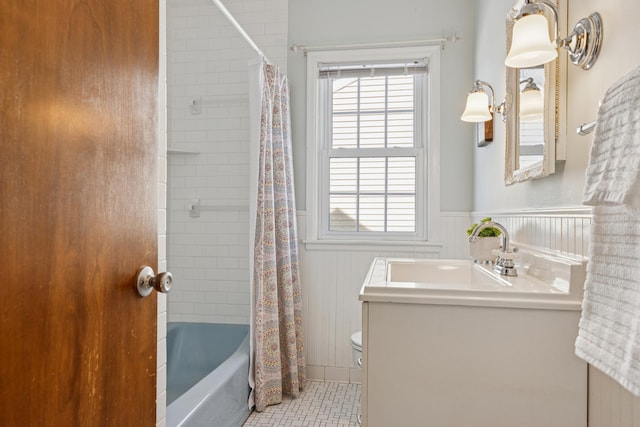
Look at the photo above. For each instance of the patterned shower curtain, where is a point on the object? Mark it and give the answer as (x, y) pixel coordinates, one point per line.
(279, 366)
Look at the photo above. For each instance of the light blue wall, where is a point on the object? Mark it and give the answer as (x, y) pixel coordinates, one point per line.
(564, 188)
(329, 22)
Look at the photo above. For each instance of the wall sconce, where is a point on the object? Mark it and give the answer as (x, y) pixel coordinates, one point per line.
(479, 107)
(531, 46)
(531, 107)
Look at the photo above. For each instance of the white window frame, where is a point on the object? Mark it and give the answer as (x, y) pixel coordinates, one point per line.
(428, 173)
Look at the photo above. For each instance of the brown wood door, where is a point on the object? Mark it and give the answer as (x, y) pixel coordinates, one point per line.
(78, 211)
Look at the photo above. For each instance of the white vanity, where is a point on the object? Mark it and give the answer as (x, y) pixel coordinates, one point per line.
(448, 343)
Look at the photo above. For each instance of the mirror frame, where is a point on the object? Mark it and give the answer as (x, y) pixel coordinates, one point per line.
(551, 114)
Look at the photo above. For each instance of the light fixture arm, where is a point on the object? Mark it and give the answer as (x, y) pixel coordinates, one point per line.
(501, 109)
(479, 85)
(530, 84)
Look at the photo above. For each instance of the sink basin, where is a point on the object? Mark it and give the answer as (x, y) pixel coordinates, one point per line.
(436, 274)
(543, 281)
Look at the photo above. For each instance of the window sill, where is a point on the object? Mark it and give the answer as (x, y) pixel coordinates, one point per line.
(432, 248)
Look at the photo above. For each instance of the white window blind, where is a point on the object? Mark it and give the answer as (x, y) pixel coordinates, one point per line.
(372, 69)
(374, 147)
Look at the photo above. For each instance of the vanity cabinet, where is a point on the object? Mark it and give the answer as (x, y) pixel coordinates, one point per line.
(438, 362)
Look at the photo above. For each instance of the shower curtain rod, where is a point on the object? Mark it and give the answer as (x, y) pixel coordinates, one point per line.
(238, 27)
(452, 38)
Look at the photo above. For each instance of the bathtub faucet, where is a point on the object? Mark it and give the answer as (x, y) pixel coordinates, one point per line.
(504, 264)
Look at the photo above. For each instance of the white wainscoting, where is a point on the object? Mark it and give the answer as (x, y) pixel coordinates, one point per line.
(453, 232)
(331, 279)
(564, 230)
(610, 405)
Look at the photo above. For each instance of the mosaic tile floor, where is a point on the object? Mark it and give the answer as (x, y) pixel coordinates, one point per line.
(321, 404)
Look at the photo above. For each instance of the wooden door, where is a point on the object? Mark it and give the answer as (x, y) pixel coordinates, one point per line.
(78, 211)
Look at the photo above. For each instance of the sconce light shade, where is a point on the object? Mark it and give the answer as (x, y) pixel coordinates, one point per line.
(531, 105)
(477, 109)
(530, 43)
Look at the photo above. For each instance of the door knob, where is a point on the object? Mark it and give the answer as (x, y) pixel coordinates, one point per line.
(147, 281)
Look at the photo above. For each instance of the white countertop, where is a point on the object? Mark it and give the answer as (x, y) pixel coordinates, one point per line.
(545, 283)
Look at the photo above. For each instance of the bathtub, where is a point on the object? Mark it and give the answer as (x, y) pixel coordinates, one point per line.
(207, 374)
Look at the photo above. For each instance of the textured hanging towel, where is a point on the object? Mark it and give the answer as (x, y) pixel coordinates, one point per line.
(609, 333)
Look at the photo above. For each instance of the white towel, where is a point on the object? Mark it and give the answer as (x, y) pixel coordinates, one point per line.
(613, 174)
(609, 332)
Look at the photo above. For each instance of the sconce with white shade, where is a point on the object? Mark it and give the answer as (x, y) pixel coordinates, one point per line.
(531, 107)
(531, 45)
(480, 104)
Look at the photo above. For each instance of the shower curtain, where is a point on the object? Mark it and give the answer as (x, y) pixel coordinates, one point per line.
(278, 365)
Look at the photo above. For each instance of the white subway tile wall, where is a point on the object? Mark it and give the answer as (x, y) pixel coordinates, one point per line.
(208, 63)
(161, 361)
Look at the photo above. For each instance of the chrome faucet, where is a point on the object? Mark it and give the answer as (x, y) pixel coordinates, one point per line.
(504, 265)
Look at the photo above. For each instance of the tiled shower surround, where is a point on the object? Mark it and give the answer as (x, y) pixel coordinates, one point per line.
(208, 156)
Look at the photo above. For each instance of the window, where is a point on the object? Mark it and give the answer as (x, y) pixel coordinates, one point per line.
(373, 145)
(369, 144)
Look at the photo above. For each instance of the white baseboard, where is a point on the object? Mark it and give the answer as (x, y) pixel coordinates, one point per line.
(334, 374)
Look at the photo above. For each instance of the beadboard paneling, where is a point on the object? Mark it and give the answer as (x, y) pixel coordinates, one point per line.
(565, 230)
(453, 231)
(610, 405)
(331, 280)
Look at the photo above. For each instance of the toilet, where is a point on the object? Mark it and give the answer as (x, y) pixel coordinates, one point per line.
(356, 348)
(356, 352)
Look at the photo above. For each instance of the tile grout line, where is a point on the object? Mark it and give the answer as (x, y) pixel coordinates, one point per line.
(320, 404)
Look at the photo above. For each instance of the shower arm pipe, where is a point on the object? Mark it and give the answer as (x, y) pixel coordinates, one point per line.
(438, 41)
(238, 27)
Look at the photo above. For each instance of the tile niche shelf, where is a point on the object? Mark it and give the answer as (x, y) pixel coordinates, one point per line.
(172, 150)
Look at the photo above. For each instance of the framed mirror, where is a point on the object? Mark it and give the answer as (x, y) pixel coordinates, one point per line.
(532, 107)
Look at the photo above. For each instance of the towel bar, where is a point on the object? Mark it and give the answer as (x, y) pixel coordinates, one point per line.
(586, 128)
